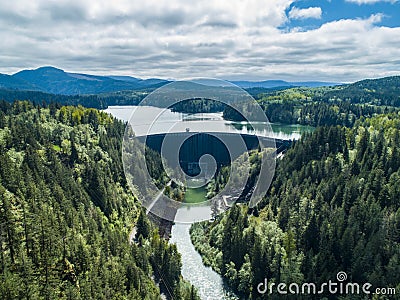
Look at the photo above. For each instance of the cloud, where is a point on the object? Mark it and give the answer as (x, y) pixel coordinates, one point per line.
(359, 2)
(179, 39)
(305, 13)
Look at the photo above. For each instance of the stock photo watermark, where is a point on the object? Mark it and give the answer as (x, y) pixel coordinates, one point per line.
(338, 287)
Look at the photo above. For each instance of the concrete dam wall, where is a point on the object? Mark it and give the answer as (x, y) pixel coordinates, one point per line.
(191, 146)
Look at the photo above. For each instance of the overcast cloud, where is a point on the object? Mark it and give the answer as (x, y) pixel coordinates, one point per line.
(370, 1)
(234, 39)
(305, 13)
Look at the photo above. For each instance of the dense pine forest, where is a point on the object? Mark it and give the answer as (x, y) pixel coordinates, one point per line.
(66, 212)
(333, 206)
(327, 106)
(321, 106)
(99, 101)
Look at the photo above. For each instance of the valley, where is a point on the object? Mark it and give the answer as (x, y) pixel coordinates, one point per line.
(332, 206)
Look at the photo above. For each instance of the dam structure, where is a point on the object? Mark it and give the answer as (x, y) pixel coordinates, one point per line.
(194, 145)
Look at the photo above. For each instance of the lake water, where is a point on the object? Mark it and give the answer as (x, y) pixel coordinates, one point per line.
(167, 121)
(209, 283)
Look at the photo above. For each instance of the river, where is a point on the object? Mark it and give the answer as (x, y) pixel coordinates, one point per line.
(209, 283)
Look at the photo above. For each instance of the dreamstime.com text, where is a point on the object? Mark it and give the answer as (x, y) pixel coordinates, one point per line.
(339, 287)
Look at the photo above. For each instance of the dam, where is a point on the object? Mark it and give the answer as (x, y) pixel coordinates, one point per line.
(196, 144)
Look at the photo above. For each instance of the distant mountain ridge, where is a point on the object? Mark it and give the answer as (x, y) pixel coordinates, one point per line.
(10, 82)
(380, 91)
(143, 82)
(281, 84)
(56, 81)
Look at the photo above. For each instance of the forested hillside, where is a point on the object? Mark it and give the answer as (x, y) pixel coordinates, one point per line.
(325, 106)
(321, 106)
(381, 91)
(100, 101)
(66, 212)
(333, 206)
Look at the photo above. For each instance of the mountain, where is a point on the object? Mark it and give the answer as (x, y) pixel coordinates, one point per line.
(57, 81)
(264, 84)
(10, 82)
(125, 78)
(380, 91)
(154, 81)
(389, 84)
(143, 82)
(312, 84)
(269, 84)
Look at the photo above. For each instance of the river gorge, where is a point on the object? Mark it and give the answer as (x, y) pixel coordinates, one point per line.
(210, 284)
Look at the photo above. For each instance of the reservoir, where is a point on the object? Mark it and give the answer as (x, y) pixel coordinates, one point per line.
(169, 121)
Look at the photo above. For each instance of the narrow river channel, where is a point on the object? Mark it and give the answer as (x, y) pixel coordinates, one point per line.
(209, 283)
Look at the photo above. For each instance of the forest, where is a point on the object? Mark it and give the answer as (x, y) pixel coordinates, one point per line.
(333, 206)
(99, 101)
(66, 212)
(325, 106)
(321, 106)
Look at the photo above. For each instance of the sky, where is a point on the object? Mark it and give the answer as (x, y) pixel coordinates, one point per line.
(303, 40)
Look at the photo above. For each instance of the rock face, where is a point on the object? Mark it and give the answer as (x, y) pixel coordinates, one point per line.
(164, 226)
